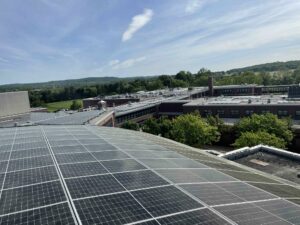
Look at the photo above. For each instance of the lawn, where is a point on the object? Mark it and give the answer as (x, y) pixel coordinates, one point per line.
(55, 106)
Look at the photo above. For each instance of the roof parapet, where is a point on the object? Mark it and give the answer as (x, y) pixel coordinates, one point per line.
(243, 152)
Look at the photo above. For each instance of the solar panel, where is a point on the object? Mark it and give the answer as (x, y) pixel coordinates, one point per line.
(159, 163)
(221, 165)
(99, 147)
(281, 190)
(5, 148)
(75, 118)
(72, 158)
(1, 178)
(68, 149)
(29, 145)
(143, 154)
(28, 197)
(187, 163)
(29, 153)
(91, 175)
(64, 143)
(6, 141)
(167, 154)
(93, 185)
(250, 214)
(57, 136)
(123, 165)
(3, 166)
(30, 176)
(82, 169)
(51, 215)
(246, 176)
(197, 217)
(165, 200)
(244, 191)
(211, 175)
(86, 136)
(4, 156)
(28, 163)
(28, 140)
(150, 222)
(181, 176)
(109, 155)
(140, 179)
(211, 194)
(112, 209)
(282, 209)
(92, 141)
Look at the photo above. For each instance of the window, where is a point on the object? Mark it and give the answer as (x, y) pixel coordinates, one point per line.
(282, 113)
(235, 112)
(249, 112)
(297, 113)
(207, 112)
(221, 112)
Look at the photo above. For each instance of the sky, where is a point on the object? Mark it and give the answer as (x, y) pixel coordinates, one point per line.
(43, 40)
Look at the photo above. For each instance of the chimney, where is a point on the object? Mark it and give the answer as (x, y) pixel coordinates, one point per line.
(211, 86)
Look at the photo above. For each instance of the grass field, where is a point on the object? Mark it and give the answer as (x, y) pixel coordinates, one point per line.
(55, 106)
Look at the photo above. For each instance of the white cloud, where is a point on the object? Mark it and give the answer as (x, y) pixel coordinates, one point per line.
(3, 60)
(52, 4)
(137, 23)
(194, 5)
(128, 63)
(113, 62)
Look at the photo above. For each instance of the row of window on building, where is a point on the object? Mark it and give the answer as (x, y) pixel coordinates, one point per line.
(237, 113)
(136, 114)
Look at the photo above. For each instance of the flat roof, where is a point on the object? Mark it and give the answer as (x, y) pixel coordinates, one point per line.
(136, 106)
(236, 86)
(243, 100)
(273, 164)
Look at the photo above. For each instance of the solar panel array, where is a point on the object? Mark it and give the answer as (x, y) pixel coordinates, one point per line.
(76, 118)
(59, 118)
(91, 175)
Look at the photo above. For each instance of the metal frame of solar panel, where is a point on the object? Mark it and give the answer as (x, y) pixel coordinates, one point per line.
(59, 118)
(76, 174)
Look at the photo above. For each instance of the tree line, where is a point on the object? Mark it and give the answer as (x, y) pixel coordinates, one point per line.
(182, 79)
(38, 97)
(193, 130)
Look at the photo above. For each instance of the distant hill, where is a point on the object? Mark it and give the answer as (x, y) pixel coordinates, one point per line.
(269, 67)
(71, 82)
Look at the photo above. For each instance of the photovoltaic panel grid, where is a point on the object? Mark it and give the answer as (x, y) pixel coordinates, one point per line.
(59, 118)
(76, 174)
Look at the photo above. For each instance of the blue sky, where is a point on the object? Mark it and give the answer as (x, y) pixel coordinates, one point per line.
(42, 40)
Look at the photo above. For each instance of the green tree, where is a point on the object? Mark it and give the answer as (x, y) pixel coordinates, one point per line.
(165, 126)
(193, 130)
(214, 121)
(76, 105)
(255, 138)
(217, 122)
(268, 123)
(184, 75)
(266, 78)
(151, 126)
(296, 75)
(130, 125)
